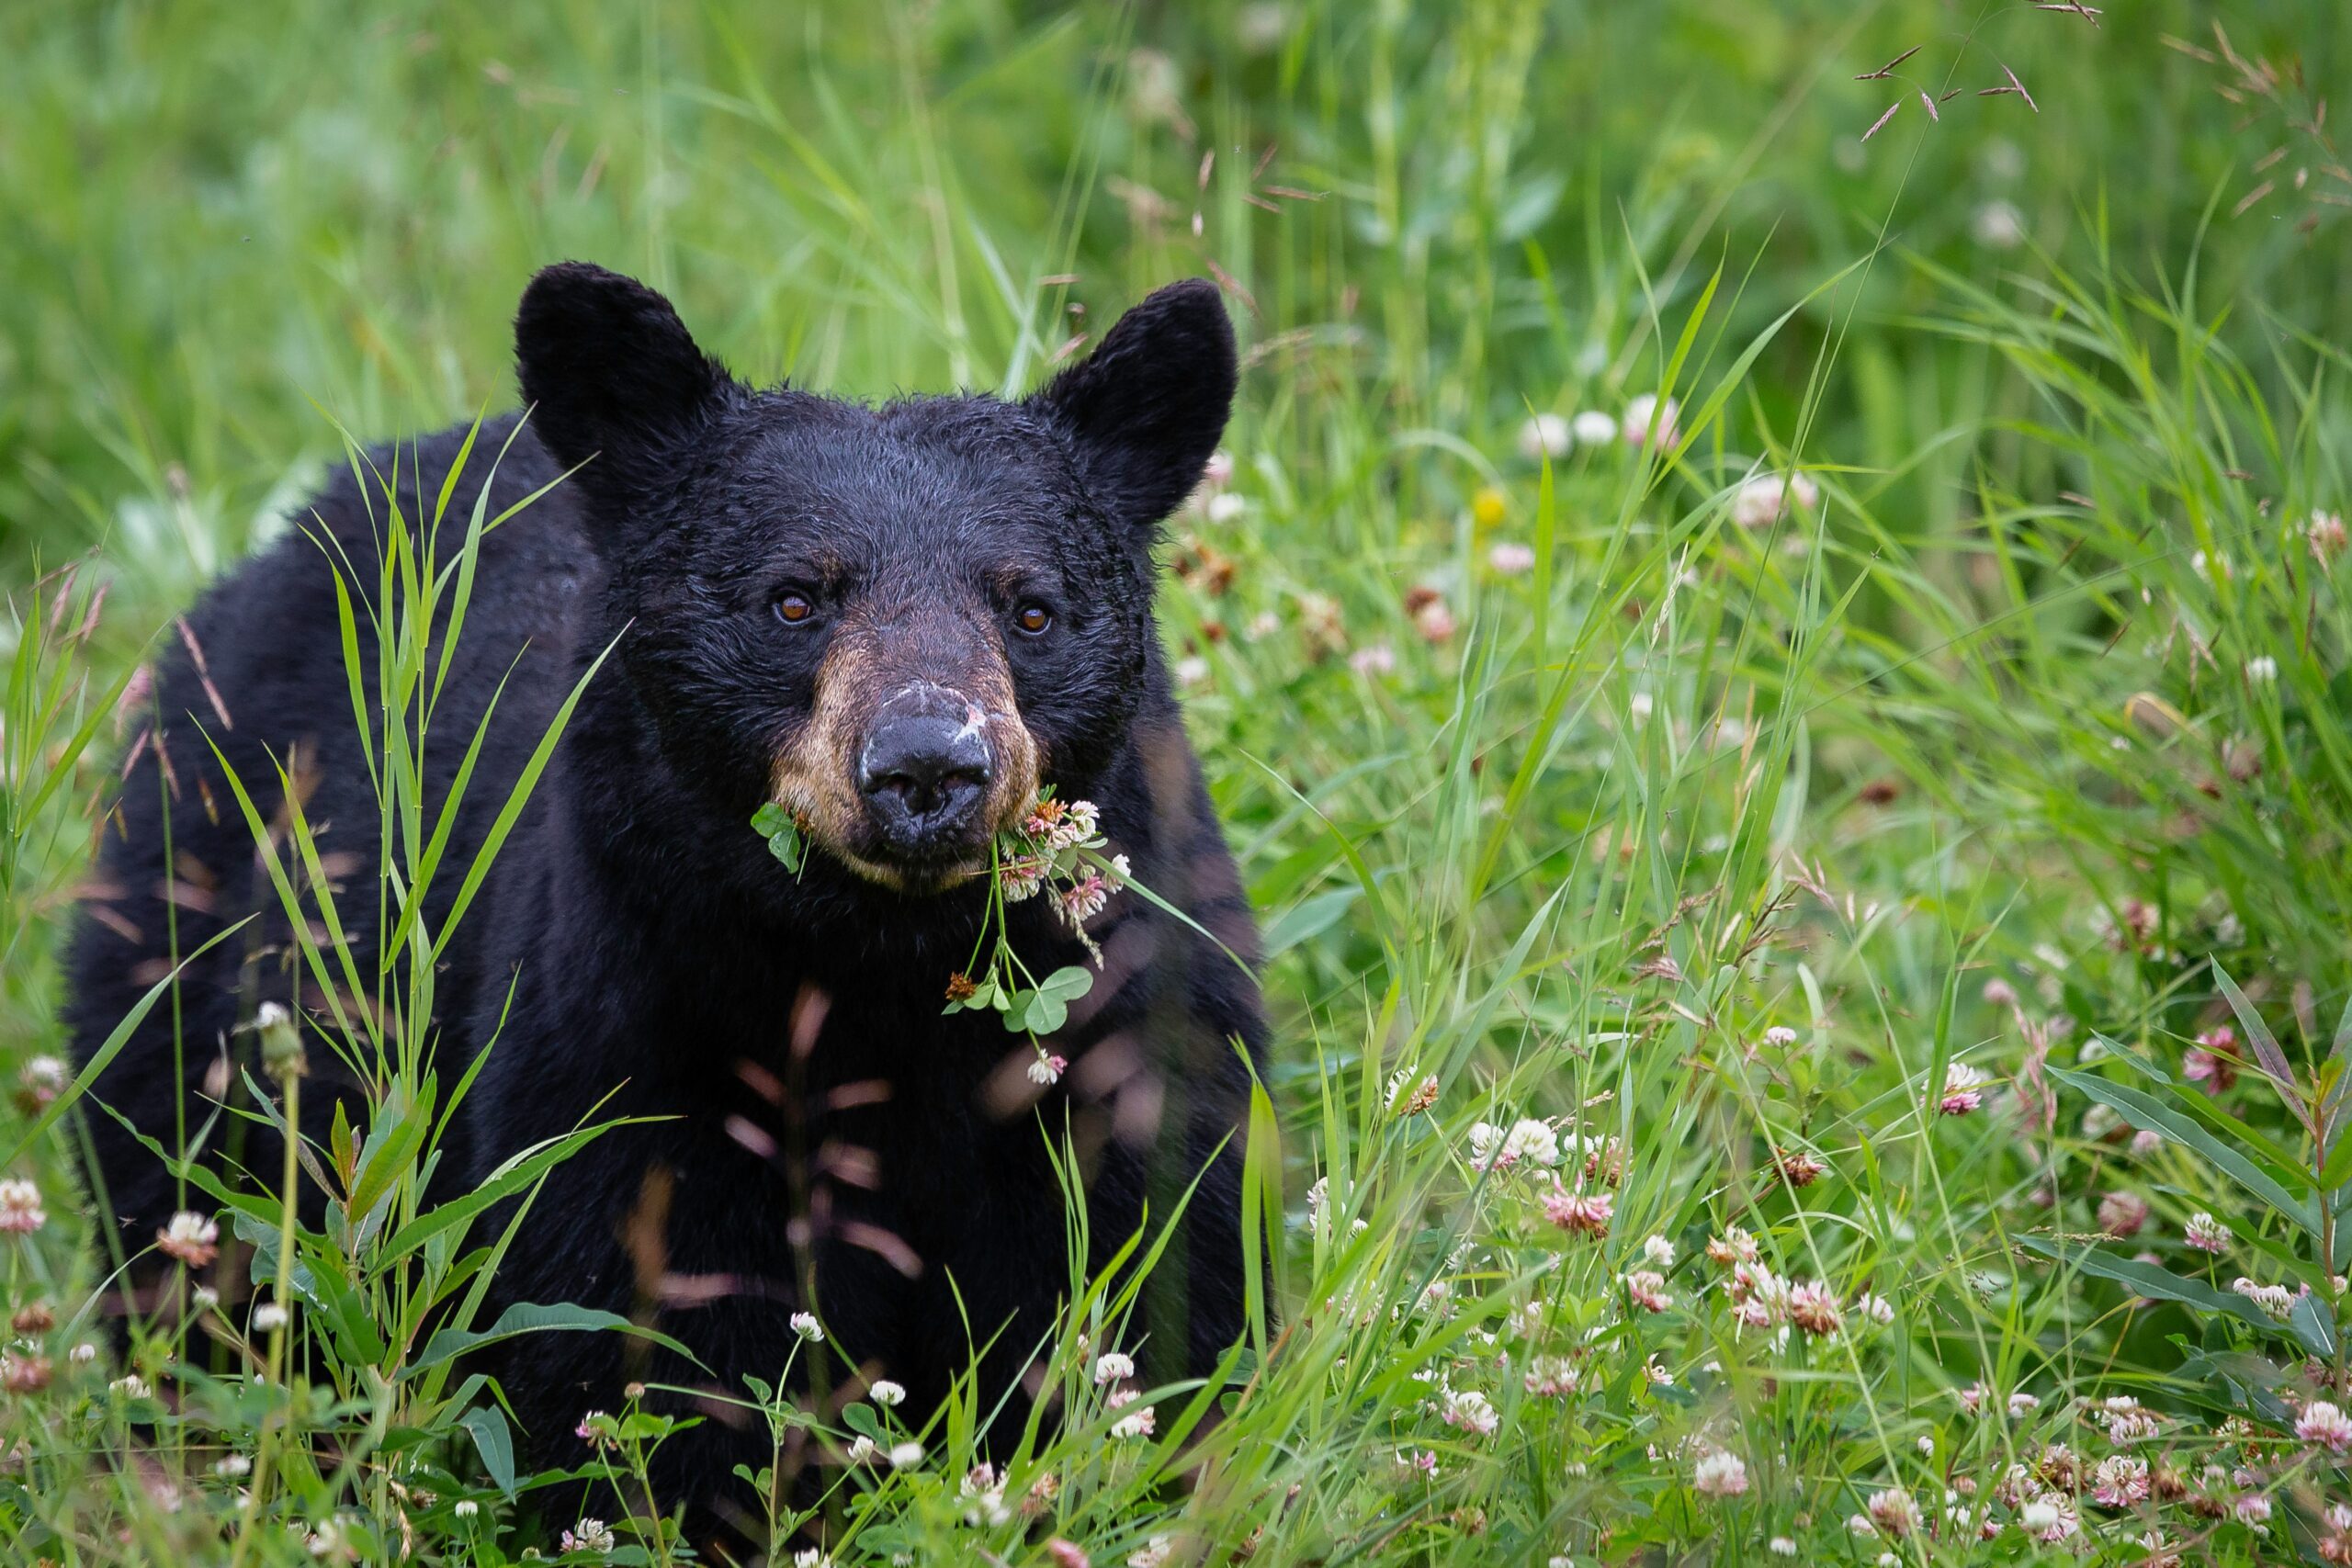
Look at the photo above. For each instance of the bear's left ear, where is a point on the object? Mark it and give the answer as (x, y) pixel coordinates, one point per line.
(612, 377)
(1148, 406)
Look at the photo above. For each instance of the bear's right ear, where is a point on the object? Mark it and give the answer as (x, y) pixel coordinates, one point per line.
(611, 377)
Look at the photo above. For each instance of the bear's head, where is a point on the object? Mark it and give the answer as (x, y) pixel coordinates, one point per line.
(898, 623)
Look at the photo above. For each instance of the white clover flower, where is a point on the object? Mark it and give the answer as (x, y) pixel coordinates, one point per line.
(2205, 1232)
(1998, 226)
(2326, 1425)
(589, 1534)
(270, 1316)
(1113, 1366)
(1641, 411)
(885, 1393)
(2262, 669)
(1544, 436)
(1471, 1411)
(20, 1208)
(190, 1237)
(862, 1449)
(1224, 506)
(1511, 559)
(467, 1508)
(906, 1456)
(806, 1326)
(1720, 1473)
(1136, 1423)
(1659, 1250)
(1533, 1142)
(1593, 428)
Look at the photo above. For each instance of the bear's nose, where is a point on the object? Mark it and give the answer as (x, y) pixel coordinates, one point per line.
(923, 776)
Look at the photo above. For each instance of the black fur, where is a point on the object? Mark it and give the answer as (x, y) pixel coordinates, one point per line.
(658, 957)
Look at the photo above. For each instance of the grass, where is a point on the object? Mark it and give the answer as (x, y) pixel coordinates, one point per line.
(1711, 837)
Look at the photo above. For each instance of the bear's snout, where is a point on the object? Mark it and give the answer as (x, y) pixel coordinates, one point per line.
(925, 770)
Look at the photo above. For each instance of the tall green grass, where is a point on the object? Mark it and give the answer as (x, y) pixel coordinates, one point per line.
(2000, 752)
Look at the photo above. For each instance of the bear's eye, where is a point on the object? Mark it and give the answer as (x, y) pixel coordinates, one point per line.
(1032, 618)
(792, 607)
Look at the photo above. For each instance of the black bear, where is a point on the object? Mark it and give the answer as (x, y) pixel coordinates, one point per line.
(900, 624)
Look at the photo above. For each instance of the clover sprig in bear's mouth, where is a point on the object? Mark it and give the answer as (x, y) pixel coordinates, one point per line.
(1055, 850)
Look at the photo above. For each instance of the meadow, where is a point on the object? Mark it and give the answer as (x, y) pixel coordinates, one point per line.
(1778, 677)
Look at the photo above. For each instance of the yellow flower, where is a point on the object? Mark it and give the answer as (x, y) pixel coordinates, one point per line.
(1488, 507)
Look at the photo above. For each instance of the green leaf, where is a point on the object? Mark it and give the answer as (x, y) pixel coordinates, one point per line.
(859, 1418)
(487, 1423)
(1068, 983)
(1308, 919)
(2143, 1111)
(2149, 1279)
(782, 830)
(2272, 1060)
(389, 1153)
(2314, 1325)
(516, 1175)
(530, 1317)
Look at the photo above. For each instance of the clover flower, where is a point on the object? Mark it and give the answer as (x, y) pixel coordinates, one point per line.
(1799, 1167)
(885, 1393)
(589, 1534)
(20, 1208)
(190, 1237)
(2325, 533)
(1641, 412)
(1735, 1246)
(2121, 1215)
(1544, 436)
(1550, 1376)
(2120, 1480)
(1763, 499)
(1511, 559)
(1964, 1089)
(23, 1372)
(2326, 1425)
(1813, 1307)
(2127, 1420)
(40, 1080)
(1719, 1473)
(2205, 1232)
(806, 1326)
(1022, 876)
(1046, 1068)
(1646, 1287)
(1893, 1512)
(906, 1456)
(1136, 1423)
(1471, 1411)
(2277, 1300)
(1084, 899)
(1593, 428)
(1578, 1213)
